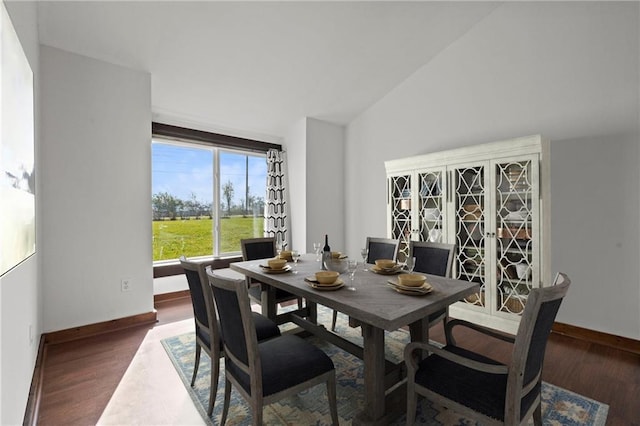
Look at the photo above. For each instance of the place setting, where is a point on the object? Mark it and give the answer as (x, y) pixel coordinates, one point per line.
(386, 267)
(410, 284)
(325, 281)
(276, 266)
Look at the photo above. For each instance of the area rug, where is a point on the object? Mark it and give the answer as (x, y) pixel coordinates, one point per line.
(559, 406)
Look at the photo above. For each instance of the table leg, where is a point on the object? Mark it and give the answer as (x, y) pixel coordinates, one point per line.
(420, 333)
(374, 377)
(268, 301)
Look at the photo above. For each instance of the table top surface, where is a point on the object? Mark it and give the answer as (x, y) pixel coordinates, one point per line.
(373, 302)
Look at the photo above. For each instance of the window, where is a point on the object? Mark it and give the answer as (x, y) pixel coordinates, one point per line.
(205, 198)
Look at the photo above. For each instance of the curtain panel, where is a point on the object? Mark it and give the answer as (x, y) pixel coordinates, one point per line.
(276, 223)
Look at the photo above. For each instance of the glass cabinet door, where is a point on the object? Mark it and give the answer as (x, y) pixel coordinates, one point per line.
(469, 204)
(431, 216)
(516, 215)
(401, 213)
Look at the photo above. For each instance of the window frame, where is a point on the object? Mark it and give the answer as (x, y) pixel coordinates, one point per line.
(214, 140)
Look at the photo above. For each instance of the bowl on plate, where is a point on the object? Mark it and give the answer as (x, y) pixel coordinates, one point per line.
(276, 263)
(286, 255)
(336, 255)
(386, 263)
(326, 277)
(411, 280)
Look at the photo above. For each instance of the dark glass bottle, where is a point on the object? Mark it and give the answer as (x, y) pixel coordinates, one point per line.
(326, 252)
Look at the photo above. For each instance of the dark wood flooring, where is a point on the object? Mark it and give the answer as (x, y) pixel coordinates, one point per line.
(80, 377)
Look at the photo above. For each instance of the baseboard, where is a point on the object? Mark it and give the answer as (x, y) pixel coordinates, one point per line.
(617, 342)
(100, 328)
(35, 391)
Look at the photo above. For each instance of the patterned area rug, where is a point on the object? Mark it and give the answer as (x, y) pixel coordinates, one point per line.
(559, 406)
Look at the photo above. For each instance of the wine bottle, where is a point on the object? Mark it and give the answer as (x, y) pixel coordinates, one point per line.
(326, 252)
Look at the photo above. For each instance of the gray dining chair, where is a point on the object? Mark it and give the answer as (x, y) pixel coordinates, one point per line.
(264, 248)
(434, 259)
(206, 325)
(382, 248)
(267, 371)
(478, 387)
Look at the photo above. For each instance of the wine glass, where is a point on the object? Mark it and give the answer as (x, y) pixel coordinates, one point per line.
(279, 244)
(316, 248)
(410, 263)
(365, 253)
(352, 265)
(295, 255)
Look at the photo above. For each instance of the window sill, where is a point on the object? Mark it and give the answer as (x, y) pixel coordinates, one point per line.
(170, 269)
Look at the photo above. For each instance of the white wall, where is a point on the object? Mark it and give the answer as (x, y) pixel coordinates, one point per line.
(566, 70)
(96, 190)
(315, 152)
(20, 301)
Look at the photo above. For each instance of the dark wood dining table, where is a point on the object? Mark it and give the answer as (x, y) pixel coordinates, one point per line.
(375, 307)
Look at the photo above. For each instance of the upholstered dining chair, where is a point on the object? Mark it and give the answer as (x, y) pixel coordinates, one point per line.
(379, 248)
(264, 248)
(382, 248)
(267, 371)
(206, 325)
(434, 259)
(479, 387)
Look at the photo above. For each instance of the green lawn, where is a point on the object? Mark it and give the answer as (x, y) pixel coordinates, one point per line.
(173, 238)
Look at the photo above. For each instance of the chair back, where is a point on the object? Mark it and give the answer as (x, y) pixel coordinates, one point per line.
(530, 344)
(238, 332)
(432, 258)
(258, 248)
(201, 299)
(382, 248)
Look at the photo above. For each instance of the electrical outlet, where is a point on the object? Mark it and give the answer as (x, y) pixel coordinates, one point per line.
(125, 284)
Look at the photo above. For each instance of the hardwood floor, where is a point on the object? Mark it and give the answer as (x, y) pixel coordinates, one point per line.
(80, 377)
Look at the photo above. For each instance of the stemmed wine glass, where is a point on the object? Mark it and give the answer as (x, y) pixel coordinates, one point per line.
(365, 253)
(352, 265)
(316, 249)
(410, 263)
(295, 255)
(279, 244)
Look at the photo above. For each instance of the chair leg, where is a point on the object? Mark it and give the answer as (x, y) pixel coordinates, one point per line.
(412, 404)
(300, 303)
(331, 395)
(333, 320)
(196, 364)
(213, 387)
(537, 415)
(257, 412)
(227, 398)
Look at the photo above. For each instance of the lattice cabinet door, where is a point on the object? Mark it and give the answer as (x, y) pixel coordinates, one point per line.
(431, 215)
(517, 227)
(401, 212)
(470, 203)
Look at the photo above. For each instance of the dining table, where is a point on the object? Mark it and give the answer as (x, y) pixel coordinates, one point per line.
(371, 303)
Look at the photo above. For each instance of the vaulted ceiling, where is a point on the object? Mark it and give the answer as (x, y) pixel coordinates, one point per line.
(260, 66)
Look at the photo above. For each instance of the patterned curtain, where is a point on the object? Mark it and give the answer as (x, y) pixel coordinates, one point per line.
(275, 208)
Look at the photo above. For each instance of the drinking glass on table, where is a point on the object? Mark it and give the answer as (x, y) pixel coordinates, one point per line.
(364, 253)
(295, 255)
(279, 244)
(352, 265)
(410, 263)
(316, 248)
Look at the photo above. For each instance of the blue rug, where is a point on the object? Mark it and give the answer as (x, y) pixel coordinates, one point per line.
(559, 406)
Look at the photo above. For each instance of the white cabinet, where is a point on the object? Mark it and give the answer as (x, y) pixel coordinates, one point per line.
(492, 202)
